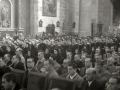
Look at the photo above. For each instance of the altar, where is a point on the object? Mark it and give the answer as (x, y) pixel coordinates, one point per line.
(10, 31)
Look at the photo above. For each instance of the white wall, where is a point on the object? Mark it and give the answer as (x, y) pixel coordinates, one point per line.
(47, 20)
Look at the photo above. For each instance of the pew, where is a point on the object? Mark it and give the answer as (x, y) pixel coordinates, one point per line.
(36, 81)
(19, 75)
(62, 84)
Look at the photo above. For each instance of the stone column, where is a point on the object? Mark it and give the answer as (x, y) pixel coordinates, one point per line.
(85, 18)
(16, 13)
(69, 16)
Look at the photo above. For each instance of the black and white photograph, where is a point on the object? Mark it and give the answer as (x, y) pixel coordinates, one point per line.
(59, 44)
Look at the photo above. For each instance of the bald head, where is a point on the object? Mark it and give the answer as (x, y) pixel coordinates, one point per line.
(110, 61)
(90, 72)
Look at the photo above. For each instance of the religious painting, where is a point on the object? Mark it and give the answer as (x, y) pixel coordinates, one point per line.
(49, 8)
(5, 14)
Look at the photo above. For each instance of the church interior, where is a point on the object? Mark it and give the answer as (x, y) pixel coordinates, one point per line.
(72, 17)
(59, 44)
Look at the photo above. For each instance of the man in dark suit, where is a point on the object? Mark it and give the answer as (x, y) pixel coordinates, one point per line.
(50, 72)
(7, 59)
(3, 68)
(30, 68)
(41, 59)
(91, 83)
(113, 84)
(16, 63)
(88, 64)
(117, 72)
(9, 82)
(62, 70)
(102, 75)
(18, 52)
(31, 65)
(73, 75)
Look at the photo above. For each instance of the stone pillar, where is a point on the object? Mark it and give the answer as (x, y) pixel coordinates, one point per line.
(85, 18)
(16, 13)
(20, 13)
(69, 16)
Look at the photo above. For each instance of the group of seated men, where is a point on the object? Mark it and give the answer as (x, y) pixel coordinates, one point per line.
(94, 64)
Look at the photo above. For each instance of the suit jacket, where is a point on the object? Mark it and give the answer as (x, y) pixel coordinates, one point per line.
(82, 72)
(78, 81)
(4, 70)
(8, 63)
(102, 77)
(61, 70)
(25, 82)
(50, 75)
(40, 64)
(93, 86)
(110, 69)
(19, 66)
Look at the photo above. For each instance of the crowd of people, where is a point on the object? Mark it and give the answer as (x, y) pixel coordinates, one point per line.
(93, 63)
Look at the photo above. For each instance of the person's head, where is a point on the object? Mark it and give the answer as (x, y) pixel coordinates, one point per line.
(66, 62)
(72, 67)
(8, 81)
(97, 51)
(69, 55)
(98, 57)
(18, 51)
(2, 62)
(83, 57)
(99, 64)
(29, 53)
(77, 57)
(46, 51)
(55, 51)
(90, 74)
(48, 64)
(106, 49)
(88, 62)
(76, 51)
(52, 57)
(30, 63)
(7, 57)
(73, 41)
(15, 59)
(40, 55)
(110, 61)
(112, 48)
(112, 83)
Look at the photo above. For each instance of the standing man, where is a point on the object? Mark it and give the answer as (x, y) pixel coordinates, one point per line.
(73, 75)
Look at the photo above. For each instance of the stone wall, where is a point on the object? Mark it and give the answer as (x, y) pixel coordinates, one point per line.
(105, 14)
(47, 19)
(82, 12)
(63, 15)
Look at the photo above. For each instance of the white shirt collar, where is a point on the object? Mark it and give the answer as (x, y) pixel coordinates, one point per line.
(72, 77)
(89, 82)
